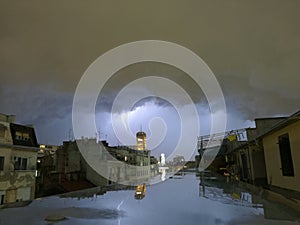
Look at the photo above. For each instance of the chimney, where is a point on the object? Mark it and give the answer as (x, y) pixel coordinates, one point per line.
(10, 118)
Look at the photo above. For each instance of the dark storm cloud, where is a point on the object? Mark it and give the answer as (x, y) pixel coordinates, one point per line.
(48, 111)
(45, 47)
(34, 105)
(140, 70)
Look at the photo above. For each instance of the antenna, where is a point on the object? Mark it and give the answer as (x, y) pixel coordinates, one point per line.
(141, 128)
(70, 135)
(99, 135)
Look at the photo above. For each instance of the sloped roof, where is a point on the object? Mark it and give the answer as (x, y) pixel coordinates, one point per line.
(289, 120)
(31, 142)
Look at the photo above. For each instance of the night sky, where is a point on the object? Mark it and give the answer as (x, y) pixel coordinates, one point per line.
(252, 47)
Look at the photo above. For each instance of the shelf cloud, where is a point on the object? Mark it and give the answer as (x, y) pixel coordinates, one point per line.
(252, 47)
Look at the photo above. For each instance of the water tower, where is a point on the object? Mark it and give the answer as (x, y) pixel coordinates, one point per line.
(141, 140)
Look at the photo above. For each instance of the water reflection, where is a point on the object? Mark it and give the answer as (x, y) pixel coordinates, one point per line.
(220, 190)
(88, 213)
(175, 202)
(140, 192)
(96, 191)
(163, 172)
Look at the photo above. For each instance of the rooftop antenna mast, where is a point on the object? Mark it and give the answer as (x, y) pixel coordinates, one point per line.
(70, 136)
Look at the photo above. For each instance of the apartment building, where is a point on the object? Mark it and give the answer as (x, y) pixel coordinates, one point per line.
(18, 156)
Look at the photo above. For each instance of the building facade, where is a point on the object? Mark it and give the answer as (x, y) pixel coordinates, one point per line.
(18, 156)
(115, 164)
(282, 156)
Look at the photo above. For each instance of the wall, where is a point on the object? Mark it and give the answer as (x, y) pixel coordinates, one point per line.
(7, 118)
(264, 124)
(258, 166)
(73, 159)
(18, 184)
(7, 139)
(272, 157)
(28, 153)
(6, 152)
(251, 133)
(93, 177)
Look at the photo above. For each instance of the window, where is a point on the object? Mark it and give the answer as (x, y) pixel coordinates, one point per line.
(20, 163)
(286, 155)
(24, 164)
(25, 136)
(22, 136)
(1, 163)
(18, 135)
(245, 171)
(2, 199)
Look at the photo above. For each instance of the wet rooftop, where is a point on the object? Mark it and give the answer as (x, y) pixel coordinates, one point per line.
(180, 200)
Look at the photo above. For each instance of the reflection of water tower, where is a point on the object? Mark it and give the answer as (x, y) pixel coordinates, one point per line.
(162, 159)
(141, 140)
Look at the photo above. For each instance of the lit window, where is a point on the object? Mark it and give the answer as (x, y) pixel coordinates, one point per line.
(22, 136)
(25, 136)
(18, 135)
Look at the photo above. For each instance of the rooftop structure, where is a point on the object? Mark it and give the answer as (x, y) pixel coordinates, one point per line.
(141, 140)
